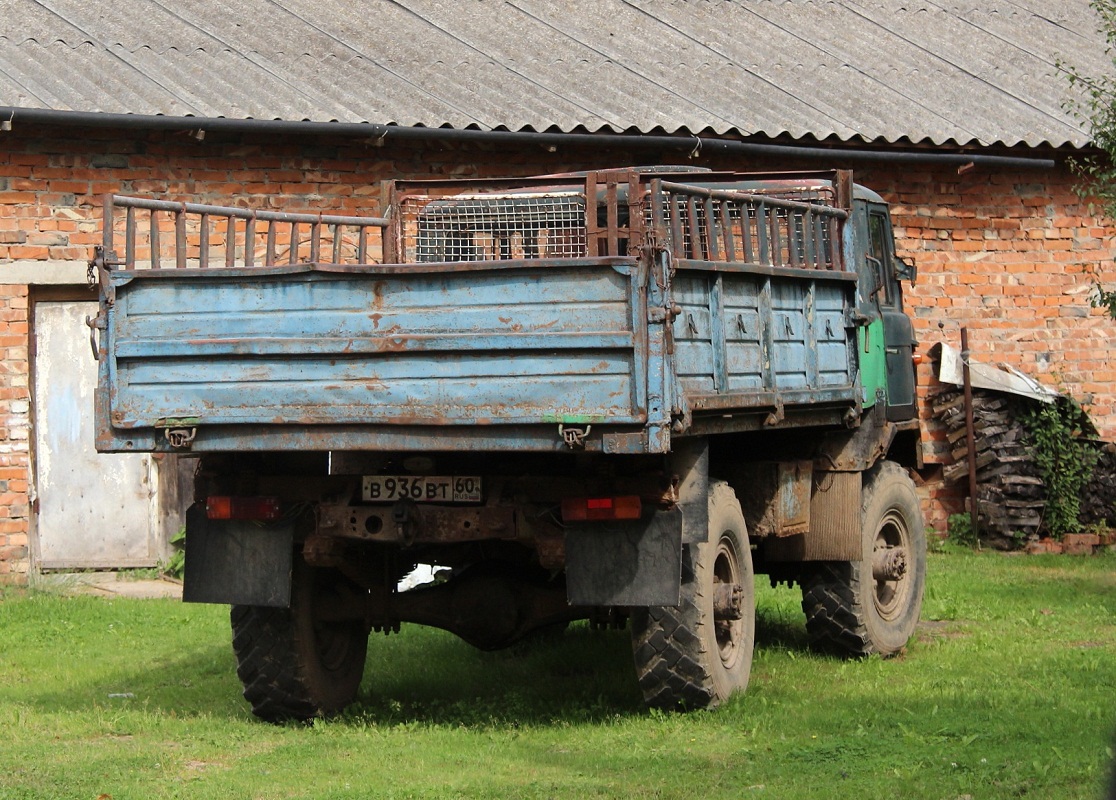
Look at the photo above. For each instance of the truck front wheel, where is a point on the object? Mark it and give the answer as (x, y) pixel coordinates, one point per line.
(872, 605)
(298, 663)
(697, 654)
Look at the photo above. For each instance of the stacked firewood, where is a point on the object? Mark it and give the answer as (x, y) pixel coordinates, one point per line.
(1098, 500)
(1010, 493)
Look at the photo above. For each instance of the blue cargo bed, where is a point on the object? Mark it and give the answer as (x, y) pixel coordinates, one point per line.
(622, 343)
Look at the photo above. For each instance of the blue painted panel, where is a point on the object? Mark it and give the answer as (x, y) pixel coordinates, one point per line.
(454, 348)
(517, 318)
(745, 368)
(789, 333)
(834, 343)
(197, 292)
(743, 333)
(694, 366)
(804, 329)
(692, 330)
(378, 371)
(368, 345)
(305, 352)
(485, 400)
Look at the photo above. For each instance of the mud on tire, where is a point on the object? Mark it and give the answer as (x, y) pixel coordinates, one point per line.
(872, 605)
(695, 655)
(294, 665)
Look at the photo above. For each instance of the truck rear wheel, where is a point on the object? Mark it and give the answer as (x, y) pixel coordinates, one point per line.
(697, 654)
(872, 605)
(295, 663)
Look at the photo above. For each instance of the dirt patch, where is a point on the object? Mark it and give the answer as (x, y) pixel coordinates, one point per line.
(940, 630)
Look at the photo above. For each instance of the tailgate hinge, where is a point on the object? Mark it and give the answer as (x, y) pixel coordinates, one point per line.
(99, 267)
(657, 315)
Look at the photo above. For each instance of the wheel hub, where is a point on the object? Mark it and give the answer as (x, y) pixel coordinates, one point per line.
(727, 601)
(889, 564)
(728, 596)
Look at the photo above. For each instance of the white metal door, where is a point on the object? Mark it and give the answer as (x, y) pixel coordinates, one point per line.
(94, 511)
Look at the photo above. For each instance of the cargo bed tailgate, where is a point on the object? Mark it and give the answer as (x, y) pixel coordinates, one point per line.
(422, 344)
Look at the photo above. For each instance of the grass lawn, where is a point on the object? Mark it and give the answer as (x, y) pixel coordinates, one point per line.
(1008, 690)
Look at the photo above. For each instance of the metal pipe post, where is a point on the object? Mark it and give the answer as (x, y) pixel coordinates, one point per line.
(970, 433)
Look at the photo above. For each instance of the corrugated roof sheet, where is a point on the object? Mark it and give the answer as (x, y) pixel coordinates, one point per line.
(964, 72)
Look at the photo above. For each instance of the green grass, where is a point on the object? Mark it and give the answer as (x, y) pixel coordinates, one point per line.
(1009, 690)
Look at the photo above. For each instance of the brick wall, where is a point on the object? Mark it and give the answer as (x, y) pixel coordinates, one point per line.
(1010, 254)
(14, 433)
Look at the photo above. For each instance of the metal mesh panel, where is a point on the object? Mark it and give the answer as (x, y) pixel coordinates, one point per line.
(493, 227)
(822, 195)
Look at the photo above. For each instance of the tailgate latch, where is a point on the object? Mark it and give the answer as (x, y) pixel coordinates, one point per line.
(180, 438)
(574, 437)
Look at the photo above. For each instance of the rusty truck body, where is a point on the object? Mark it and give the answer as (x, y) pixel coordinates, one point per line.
(613, 396)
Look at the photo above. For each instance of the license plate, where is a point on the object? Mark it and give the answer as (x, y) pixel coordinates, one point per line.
(422, 488)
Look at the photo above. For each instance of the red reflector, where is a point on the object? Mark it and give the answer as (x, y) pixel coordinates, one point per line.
(263, 508)
(583, 509)
(218, 507)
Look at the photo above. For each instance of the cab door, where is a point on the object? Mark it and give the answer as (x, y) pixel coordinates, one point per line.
(899, 338)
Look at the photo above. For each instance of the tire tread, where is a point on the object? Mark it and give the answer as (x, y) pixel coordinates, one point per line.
(674, 665)
(832, 592)
(834, 616)
(268, 664)
(668, 676)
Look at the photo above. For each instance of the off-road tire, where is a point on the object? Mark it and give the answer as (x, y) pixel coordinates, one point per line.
(293, 666)
(684, 657)
(848, 612)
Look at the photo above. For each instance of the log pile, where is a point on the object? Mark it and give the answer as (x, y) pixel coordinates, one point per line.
(1010, 493)
(1098, 500)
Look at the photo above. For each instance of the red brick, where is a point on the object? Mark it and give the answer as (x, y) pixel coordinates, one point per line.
(33, 253)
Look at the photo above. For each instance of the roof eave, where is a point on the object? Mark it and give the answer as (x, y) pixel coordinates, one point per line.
(694, 145)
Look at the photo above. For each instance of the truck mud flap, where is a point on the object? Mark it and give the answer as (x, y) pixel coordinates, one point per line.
(636, 563)
(237, 562)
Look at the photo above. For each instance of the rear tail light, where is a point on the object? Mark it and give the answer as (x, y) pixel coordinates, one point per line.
(588, 509)
(258, 508)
